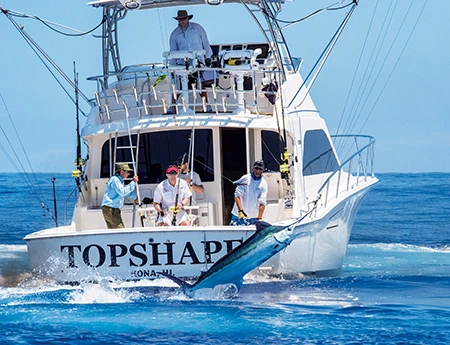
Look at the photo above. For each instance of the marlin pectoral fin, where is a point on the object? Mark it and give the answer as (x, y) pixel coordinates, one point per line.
(176, 280)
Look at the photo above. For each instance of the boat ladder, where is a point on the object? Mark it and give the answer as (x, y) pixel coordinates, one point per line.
(122, 151)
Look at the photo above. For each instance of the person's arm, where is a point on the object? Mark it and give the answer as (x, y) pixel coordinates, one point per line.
(185, 194)
(238, 202)
(205, 43)
(241, 212)
(122, 190)
(197, 185)
(157, 202)
(133, 194)
(261, 209)
(172, 42)
(262, 200)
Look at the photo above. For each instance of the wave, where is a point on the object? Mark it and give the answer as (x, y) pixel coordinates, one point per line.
(14, 264)
(400, 247)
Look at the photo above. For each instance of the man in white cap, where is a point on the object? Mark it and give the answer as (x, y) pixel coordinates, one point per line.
(191, 36)
(115, 194)
(250, 197)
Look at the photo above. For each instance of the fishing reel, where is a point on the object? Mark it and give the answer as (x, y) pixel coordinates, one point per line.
(173, 210)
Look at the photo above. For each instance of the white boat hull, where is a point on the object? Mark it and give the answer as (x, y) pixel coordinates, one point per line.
(70, 256)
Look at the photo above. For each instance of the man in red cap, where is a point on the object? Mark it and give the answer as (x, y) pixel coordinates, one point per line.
(170, 197)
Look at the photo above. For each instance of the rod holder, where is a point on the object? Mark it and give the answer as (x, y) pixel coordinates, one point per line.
(144, 103)
(108, 113)
(116, 96)
(136, 97)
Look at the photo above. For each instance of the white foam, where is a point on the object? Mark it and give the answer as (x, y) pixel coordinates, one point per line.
(399, 247)
(102, 293)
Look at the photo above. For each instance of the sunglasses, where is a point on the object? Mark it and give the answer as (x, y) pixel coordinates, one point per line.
(181, 19)
(172, 173)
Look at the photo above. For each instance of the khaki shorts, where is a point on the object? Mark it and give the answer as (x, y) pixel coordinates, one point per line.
(167, 219)
(113, 217)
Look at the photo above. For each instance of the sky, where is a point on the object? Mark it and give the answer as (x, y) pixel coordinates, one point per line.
(403, 60)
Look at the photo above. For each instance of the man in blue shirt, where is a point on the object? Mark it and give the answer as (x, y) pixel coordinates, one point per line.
(115, 194)
(191, 36)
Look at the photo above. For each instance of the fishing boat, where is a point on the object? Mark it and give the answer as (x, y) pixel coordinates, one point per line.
(257, 108)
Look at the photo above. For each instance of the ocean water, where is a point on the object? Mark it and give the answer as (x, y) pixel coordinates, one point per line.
(394, 287)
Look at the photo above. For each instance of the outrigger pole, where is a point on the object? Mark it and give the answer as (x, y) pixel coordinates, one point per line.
(323, 58)
(79, 160)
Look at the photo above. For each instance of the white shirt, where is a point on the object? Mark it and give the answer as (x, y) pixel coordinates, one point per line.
(252, 194)
(195, 179)
(192, 37)
(165, 193)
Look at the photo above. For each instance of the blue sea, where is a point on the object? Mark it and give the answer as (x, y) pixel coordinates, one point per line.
(394, 287)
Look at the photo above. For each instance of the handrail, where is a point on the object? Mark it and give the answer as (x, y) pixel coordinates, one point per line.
(73, 193)
(367, 152)
(138, 95)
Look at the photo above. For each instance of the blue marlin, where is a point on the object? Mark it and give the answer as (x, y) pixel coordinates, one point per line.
(267, 241)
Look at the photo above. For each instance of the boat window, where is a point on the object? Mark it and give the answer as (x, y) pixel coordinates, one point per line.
(158, 150)
(272, 147)
(318, 156)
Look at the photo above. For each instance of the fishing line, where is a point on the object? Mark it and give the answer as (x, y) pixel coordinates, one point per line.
(395, 65)
(381, 68)
(34, 187)
(353, 118)
(328, 8)
(49, 24)
(359, 94)
(357, 68)
(34, 46)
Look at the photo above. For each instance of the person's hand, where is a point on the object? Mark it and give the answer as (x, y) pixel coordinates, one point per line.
(135, 178)
(179, 206)
(136, 201)
(242, 214)
(188, 180)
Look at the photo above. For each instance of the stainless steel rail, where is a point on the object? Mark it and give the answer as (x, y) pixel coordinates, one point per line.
(143, 101)
(359, 167)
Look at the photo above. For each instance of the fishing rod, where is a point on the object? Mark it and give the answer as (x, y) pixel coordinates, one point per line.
(175, 210)
(54, 201)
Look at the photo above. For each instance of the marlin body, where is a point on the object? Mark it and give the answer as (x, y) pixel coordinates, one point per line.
(267, 241)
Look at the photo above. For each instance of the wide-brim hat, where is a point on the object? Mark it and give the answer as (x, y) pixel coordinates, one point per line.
(123, 166)
(183, 14)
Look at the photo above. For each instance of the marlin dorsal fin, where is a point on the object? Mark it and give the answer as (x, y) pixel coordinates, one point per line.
(184, 285)
(261, 225)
